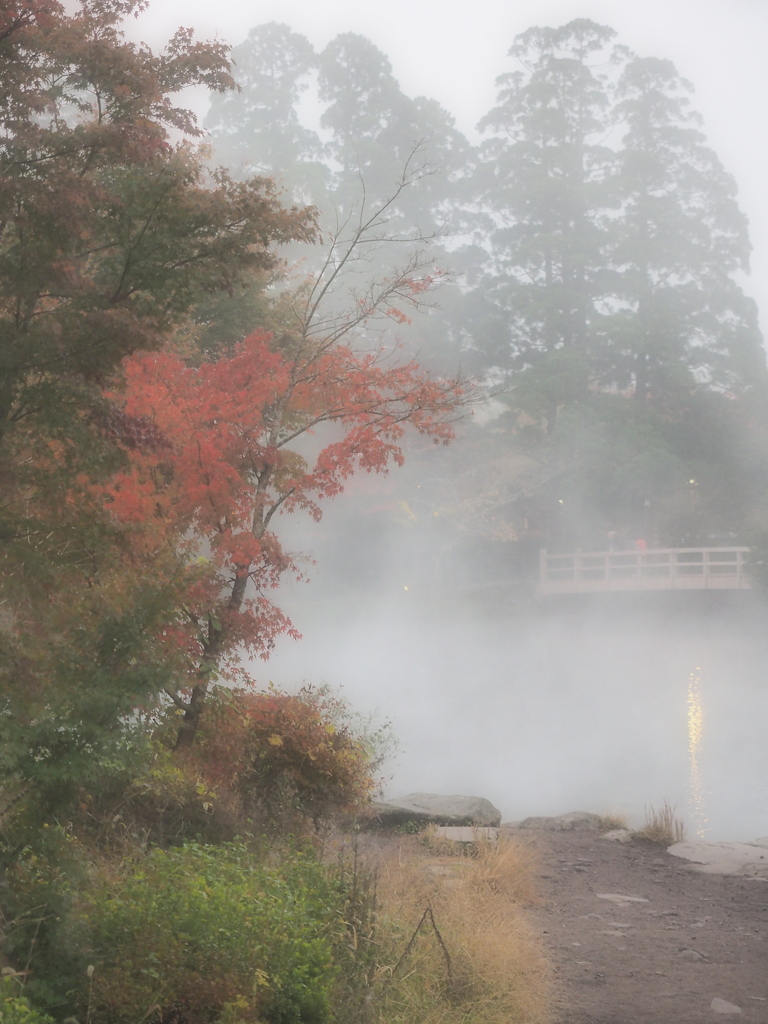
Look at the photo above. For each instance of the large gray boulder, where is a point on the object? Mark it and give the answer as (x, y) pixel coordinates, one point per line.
(575, 820)
(433, 809)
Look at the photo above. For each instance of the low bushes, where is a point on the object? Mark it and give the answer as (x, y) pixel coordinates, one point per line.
(290, 761)
(228, 935)
(201, 933)
(139, 907)
(268, 763)
(193, 935)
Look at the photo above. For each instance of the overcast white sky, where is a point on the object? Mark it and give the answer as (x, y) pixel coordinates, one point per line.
(452, 52)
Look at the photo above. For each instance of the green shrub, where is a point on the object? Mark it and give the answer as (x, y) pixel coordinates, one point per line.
(193, 935)
(14, 1008)
(41, 888)
(200, 933)
(164, 803)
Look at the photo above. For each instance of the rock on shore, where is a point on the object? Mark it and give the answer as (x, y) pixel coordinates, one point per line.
(434, 809)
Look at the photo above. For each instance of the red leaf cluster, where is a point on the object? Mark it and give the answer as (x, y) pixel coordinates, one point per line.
(236, 453)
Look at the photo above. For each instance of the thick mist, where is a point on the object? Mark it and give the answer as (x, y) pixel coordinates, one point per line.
(636, 413)
(600, 706)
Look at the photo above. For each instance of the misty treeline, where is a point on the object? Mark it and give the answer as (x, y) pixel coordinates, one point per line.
(592, 251)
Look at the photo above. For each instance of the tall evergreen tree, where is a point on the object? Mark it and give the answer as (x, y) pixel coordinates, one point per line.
(548, 194)
(609, 292)
(365, 111)
(257, 129)
(680, 319)
(378, 135)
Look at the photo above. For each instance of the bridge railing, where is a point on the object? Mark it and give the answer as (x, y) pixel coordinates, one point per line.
(582, 572)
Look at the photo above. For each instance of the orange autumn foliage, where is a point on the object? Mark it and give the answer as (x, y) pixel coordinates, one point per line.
(271, 429)
(284, 754)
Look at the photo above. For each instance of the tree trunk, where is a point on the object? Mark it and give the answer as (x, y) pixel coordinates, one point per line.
(210, 661)
(191, 720)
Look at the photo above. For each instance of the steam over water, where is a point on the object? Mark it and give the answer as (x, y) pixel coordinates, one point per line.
(606, 707)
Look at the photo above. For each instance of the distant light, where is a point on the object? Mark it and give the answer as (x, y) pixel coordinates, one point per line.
(405, 588)
(560, 501)
(691, 481)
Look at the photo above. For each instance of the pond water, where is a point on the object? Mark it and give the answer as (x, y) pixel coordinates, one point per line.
(604, 707)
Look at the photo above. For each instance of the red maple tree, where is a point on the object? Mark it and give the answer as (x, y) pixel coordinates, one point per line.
(274, 427)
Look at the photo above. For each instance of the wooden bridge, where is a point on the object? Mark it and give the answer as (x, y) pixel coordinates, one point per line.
(603, 572)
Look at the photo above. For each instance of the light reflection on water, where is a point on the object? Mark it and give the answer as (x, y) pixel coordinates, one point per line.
(591, 708)
(699, 825)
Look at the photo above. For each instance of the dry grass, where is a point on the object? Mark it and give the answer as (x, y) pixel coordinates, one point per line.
(455, 947)
(439, 846)
(499, 865)
(611, 822)
(505, 868)
(662, 827)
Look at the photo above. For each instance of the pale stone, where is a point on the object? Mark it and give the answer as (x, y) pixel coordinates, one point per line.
(618, 835)
(748, 859)
(617, 897)
(721, 1006)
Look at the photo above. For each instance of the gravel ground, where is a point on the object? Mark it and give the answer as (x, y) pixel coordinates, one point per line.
(639, 937)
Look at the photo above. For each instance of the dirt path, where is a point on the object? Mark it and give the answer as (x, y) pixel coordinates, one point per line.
(662, 957)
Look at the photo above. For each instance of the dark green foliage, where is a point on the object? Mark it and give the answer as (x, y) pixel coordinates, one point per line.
(610, 283)
(110, 233)
(617, 232)
(68, 698)
(41, 884)
(205, 927)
